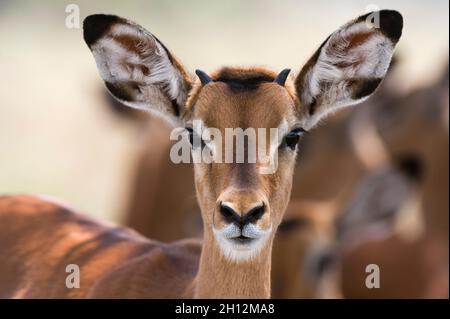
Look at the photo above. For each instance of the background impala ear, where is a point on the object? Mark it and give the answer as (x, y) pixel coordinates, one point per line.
(137, 68)
(349, 65)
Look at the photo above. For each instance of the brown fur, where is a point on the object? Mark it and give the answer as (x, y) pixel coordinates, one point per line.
(40, 238)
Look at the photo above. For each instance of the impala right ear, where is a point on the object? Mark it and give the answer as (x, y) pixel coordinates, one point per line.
(349, 65)
(137, 68)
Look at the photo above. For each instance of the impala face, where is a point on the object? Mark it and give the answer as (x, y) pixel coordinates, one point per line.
(241, 207)
(240, 203)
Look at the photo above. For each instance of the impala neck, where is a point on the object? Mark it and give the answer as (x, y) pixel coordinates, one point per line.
(220, 278)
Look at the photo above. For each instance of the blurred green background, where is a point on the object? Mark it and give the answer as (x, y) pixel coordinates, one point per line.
(57, 137)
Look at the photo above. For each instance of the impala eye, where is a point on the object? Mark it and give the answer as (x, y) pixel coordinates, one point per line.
(193, 136)
(291, 140)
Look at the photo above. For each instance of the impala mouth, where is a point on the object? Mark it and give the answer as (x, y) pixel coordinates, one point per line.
(242, 240)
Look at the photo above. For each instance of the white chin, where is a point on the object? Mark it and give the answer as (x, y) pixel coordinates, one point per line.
(236, 251)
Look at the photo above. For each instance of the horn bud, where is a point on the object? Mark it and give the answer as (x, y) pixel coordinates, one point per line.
(282, 76)
(204, 78)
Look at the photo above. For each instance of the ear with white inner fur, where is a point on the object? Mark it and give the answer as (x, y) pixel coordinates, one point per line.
(349, 65)
(137, 68)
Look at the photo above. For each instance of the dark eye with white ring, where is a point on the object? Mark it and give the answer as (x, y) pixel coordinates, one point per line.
(293, 137)
(193, 137)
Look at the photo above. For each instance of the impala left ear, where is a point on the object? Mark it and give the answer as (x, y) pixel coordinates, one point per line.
(136, 67)
(349, 65)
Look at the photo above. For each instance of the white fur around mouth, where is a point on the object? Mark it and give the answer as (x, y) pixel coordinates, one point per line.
(237, 246)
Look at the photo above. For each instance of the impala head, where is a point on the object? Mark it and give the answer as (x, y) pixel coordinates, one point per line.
(242, 206)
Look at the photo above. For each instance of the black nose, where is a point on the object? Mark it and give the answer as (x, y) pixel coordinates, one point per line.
(231, 216)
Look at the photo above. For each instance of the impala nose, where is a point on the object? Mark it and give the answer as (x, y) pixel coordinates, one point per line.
(252, 215)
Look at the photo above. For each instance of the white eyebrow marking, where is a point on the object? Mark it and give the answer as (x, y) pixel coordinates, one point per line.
(283, 129)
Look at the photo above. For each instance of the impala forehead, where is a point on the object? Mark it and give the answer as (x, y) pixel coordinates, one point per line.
(267, 106)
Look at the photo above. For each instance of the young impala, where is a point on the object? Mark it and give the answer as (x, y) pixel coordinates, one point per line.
(241, 208)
